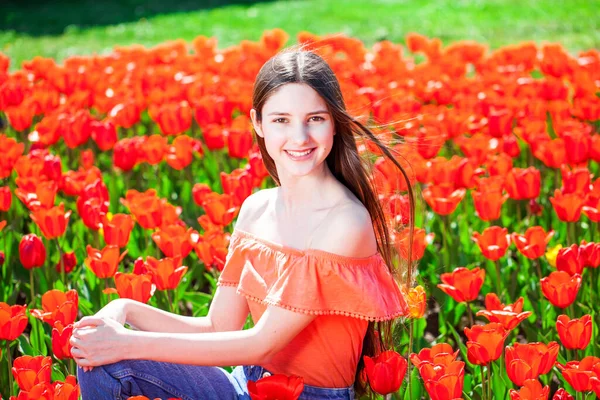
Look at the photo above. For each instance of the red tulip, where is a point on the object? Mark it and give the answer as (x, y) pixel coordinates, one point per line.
(533, 243)
(166, 272)
(104, 133)
(239, 143)
(569, 260)
(32, 252)
(488, 203)
(181, 152)
(551, 152)
(439, 354)
(590, 254)
(5, 198)
(463, 284)
(58, 306)
(579, 373)
(69, 261)
(116, 230)
(575, 179)
(562, 394)
(13, 321)
(493, 242)
(172, 118)
(532, 390)
(443, 382)
(386, 371)
(568, 206)
(529, 361)
(577, 145)
(574, 333)
(509, 315)
(134, 286)
(30, 371)
(276, 387)
(126, 153)
(485, 343)
(560, 288)
(443, 198)
(175, 240)
(220, 208)
(104, 263)
(92, 210)
(420, 241)
(523, 184)
(199, 191)
(53, 221)
(61, 347)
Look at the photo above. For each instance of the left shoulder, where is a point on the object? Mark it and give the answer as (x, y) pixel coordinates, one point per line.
(349, 232)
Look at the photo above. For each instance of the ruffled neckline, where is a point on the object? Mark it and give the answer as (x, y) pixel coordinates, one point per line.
(301, 253)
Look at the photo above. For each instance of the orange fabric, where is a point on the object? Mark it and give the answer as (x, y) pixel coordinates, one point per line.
(334, 287)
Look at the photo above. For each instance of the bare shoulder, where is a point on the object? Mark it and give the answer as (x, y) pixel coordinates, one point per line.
(348, 233)
(252, 206)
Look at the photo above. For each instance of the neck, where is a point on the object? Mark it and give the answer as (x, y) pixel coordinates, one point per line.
(299, 194)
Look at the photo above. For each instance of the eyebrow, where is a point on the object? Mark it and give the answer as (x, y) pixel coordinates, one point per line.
(310, 113)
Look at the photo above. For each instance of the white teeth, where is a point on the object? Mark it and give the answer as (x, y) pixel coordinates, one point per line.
(297, 154)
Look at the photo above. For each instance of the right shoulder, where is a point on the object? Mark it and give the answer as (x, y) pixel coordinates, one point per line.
(252, 207)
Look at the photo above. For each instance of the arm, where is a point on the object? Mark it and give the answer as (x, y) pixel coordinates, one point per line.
(276, 328)
(228, 311)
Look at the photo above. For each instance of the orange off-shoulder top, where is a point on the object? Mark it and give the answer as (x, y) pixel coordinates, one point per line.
(344, 292)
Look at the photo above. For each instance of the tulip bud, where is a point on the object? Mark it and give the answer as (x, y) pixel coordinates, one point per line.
(32, 252)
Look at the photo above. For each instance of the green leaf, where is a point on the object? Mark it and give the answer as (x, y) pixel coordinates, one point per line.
(461, 345)
(57, 373)
(24, 346)
(36, 336)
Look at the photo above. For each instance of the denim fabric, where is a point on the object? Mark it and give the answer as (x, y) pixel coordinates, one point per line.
(163, 380)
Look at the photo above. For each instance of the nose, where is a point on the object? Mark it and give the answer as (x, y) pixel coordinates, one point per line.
(301, 134)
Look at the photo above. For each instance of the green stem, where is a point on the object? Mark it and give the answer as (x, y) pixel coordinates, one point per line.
(470, 312)
(170, 305)
(570, 232)
(483, 391)
(538, 267)
(446, 238)
(10, 377)
(498, 278)
(32, 300)
(62, 264)
(489, 381)
(410, 349)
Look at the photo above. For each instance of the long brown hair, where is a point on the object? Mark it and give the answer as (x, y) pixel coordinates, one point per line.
(295, 65)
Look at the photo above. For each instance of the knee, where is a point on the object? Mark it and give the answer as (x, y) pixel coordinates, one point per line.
(97, 376)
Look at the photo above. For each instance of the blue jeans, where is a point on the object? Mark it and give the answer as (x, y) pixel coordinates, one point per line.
(164, 380)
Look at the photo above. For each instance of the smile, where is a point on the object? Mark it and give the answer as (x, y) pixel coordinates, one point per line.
(299, 155)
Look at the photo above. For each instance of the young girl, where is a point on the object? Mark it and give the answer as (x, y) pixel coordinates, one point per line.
(310, 260)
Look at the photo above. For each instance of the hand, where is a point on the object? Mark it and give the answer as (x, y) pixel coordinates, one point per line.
(114, 310)
(98, 341)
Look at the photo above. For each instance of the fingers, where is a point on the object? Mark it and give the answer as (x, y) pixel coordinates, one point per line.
(89, 321)
(83, 363)
(74, 341)
(77, 353)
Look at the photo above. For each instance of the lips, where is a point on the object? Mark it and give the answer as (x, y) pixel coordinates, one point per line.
(301, 156)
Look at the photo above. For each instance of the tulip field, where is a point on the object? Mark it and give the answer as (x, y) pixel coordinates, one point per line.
(121, 176)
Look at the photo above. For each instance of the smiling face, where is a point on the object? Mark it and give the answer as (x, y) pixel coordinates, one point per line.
(296, 119)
